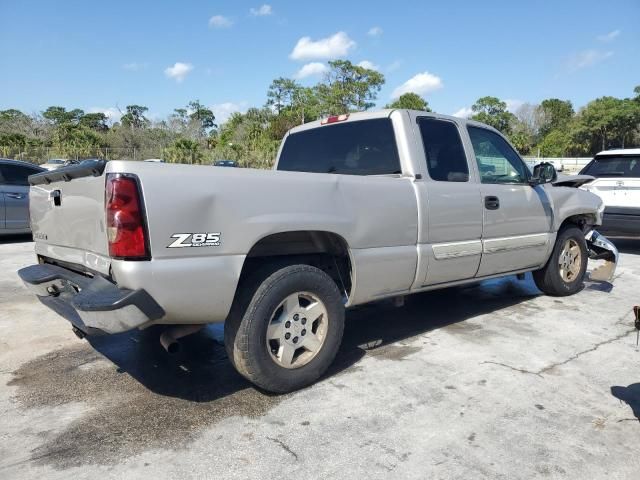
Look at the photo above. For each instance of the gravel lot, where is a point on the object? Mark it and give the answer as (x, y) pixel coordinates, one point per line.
(488, 381)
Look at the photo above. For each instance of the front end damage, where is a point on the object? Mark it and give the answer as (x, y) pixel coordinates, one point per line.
(601, 248)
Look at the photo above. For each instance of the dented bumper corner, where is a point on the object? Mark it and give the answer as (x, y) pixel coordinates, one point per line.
(601, 248)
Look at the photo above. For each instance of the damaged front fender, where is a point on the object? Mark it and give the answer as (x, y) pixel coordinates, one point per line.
(601, 248)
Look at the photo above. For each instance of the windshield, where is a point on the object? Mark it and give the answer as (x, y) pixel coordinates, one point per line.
(56, 161)
(614, 166)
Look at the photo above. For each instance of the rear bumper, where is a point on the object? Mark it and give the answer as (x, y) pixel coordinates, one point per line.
(93, 305)
(622, 221)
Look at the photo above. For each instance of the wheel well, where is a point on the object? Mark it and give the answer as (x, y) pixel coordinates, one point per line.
(583, 221)
(324, 250)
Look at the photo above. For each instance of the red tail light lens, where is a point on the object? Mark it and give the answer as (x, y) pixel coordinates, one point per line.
(125, 219)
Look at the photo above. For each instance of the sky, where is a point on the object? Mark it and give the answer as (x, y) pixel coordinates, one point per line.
(102, 56)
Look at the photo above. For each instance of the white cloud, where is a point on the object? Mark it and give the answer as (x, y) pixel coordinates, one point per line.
(135, 66)
(223, 111)
(374, 32)
(112, 114)
(369, 65)
(464, 112)
(337, 45)
(311, 69)
(422, 83)
(178, 71)
(513, 104)
(219, 21)
(587, 58)
(262, 11)
(609, 37)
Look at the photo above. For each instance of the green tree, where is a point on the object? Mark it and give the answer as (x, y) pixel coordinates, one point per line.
(201, 116)
(412, 101)
(493, 111)
(348, 88)
(282, 93)
(555, 114)
(184, 151)
(556, 143)
(60, 115)
(134, 118)
(94, 121)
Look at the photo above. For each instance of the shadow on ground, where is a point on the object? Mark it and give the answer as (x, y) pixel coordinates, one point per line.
(138, 397)
(629, 395)
(7, 239)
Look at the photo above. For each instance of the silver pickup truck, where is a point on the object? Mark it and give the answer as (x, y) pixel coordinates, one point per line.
(358, 208)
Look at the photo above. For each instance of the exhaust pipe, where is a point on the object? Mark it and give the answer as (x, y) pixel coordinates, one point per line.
(169, 338)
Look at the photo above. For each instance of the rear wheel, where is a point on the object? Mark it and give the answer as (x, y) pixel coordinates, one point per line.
(564, 272)
(289, 332)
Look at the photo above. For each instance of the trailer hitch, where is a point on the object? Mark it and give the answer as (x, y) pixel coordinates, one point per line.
(601, 248)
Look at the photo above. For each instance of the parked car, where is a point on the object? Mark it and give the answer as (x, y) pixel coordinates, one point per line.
(14, 196)
(360, 207)
(54, 163)
(617, 183)
(225, 163)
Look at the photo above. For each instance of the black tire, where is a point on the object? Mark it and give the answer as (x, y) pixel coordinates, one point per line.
(246, 327)
(549, 279)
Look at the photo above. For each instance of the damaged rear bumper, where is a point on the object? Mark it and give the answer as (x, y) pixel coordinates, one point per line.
(601, 248)
(92, 305)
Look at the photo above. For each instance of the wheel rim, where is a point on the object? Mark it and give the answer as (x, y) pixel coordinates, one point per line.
(297, 330)
(570, 261)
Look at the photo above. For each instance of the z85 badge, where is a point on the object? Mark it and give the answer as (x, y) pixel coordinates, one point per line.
(184, 240)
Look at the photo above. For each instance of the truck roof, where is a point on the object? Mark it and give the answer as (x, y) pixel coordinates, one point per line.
(619, 151)
(385, 113)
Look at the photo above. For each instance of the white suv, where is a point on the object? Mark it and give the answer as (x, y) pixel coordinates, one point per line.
(617, 182)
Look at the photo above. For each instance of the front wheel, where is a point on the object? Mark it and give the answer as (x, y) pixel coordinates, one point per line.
(564, 272)
(290, 331)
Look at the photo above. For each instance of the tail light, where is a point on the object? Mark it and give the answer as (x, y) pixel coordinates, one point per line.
(126, 230)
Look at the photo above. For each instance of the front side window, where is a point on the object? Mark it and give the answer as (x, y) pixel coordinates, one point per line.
(497, 161)
(16, 174)
(366, 147)
(446, 161)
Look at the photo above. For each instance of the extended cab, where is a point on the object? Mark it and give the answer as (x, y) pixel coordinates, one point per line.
(360, 207)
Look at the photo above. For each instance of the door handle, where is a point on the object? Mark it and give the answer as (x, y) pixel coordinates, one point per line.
(491, 203)
(17, 196)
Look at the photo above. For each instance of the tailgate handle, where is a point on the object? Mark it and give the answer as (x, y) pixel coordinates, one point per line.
(56, 196)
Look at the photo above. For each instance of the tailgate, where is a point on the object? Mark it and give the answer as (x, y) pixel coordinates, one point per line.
(68, 215)
(617, 192)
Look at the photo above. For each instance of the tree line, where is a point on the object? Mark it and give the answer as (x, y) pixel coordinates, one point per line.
(191, 135)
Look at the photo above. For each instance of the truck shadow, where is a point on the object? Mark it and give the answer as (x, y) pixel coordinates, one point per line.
(8, 239)
(629, 395)
(201, 371)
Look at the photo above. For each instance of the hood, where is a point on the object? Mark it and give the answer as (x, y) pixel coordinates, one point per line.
(574, 181)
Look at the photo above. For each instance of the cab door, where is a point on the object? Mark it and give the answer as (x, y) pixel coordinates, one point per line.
(450, 234)
(517, 218)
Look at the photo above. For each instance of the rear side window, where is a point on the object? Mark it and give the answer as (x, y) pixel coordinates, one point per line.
(614, 166)
(16, 174)
(366, 147)
(443, 149)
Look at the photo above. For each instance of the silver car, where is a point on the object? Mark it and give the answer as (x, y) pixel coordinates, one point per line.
(14, 196)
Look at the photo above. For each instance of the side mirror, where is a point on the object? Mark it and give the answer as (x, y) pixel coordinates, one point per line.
(544, 172)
